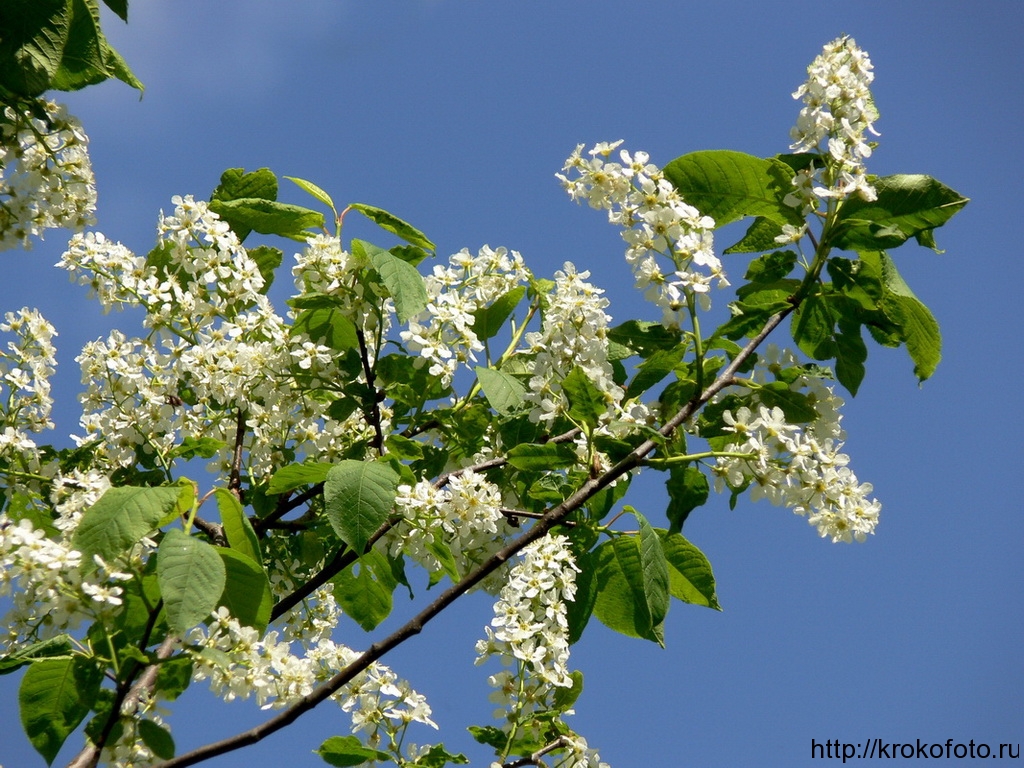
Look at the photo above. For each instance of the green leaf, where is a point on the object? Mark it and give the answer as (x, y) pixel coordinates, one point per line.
(907, 205)
(328, 326)
(246, 592)
(812, 328)
(503, 391)
(643, 337)
(655, 368)
(236, 184)
(917, 326)
(579, 610)
(532, 456)
(54, 697)
(120, 7)
(489, 735)
(359, 496)
(293, 476)
(364, 589)
(621, 602)
(564, 698)
(267, 259)
(32, 44)
(174, 676)
(157, 738)
(771, 267)
(487, 321)
(760, 236)
(654, 567)
(690, 576)
(851, 352)
(314, 190)
(192, 576)
(587, 403)
(436, 756)
(796, 405)
(728, 185)
(403, 282)
(268, 217)
(53, 647)
(237, 528)
(687, 489)
(120, 518)
(344, 751)
(395, 225)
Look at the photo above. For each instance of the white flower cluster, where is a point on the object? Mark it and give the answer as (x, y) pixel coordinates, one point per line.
(655, 221)
(574, 333)
(46, 177)
(465, 516)
(529, 623)
(26, 365)
(240, 664)
(800, 468)
(47, 587)
(838, 109)
(443, 333)
(216, 345)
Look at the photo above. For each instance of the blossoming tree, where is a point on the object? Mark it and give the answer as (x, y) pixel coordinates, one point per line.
(474, 420)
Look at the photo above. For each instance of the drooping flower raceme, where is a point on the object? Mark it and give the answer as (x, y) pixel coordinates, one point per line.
(800, 467)
(656, 221)
(838, 110)
(46, 177)
(574, 334)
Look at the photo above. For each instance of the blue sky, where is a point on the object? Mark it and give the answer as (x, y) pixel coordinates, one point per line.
(455, 115)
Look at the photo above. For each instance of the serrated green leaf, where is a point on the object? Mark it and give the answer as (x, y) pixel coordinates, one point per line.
(728, 185)
(359, 496)
(268, 217)
(395, 225)
(174, 676)
(690, 576)
(503, 391)
(120, 518)
(487, 321)
(587, 403)
(267, 259)
(795, 405)
(328, 326)
(655, 368)
(55, 695)
(531, 456)
(760, 236)
(687, 489)
(364, 590)
(812, 328)
(293, 476)
(54, 647)
(918, 328)
(654, 568)
(621, 603)
(32, 44)
(237, 528)
(403, 281)
(907, 205)
(344, 751)
(246, 592)
(157, 738)
(312, 189)
(851, 352)
(436, 756)
(192, 576)
(644, 337)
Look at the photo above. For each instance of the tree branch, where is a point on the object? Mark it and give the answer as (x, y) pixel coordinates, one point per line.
(414, 626)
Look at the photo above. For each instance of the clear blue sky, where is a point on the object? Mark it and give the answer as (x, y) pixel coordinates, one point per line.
(455, 115)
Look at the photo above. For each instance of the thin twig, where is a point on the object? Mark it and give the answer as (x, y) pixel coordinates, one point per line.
(235, 480)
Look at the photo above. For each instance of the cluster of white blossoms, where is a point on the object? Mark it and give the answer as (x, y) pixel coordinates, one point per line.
(574, 333)
(530, 624)
(215, 347)
(46, 177)
(656, 221)
(530, 633)
(464, 516)
(49, 589)
(443, 333)
(838, 109)
(800, 468)
(241, 664)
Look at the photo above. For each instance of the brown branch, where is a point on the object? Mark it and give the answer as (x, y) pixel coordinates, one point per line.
(235, 479)
(373, 412)
(414, 626)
